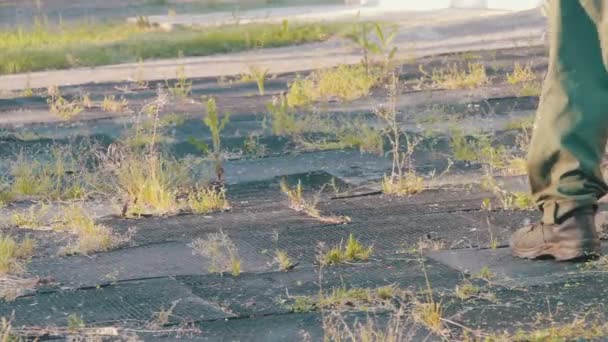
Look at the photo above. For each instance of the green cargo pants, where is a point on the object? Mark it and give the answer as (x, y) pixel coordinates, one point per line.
(571, 125)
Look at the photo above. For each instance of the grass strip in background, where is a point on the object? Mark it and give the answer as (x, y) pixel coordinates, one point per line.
(44, 47)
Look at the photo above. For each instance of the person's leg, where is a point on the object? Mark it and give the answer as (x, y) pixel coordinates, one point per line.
(572, 120)
(569, 135)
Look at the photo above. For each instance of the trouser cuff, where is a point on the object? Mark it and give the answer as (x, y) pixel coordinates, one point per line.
(554, 212)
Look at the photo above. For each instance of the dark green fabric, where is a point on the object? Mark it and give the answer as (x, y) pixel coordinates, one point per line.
(572, 121)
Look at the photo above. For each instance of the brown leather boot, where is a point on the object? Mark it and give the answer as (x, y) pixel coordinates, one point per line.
(575, 237)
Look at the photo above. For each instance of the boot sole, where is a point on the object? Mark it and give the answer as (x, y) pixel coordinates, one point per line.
(563, 251)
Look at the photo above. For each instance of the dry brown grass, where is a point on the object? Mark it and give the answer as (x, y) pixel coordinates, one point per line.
(298, 203)
(112, 105)
(11, 287)
(399, 329)
(14, 255)
(62, 107)
(222, 252)
(91, 237)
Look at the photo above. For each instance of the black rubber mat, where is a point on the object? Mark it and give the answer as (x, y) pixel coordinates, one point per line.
(271, 293)
(155, 260)
(128, 303)
(390, 234)
(509, 270)
(288, 327)
(295, 327)
(390, 230)
(431, 201)
(188, 227)
(557, 303)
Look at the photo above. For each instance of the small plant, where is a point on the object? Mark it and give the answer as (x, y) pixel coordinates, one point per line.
(221, 251)
(521, 74)
(162, 317)
(523, 200)
(6, 329)
(110, 104)
(216, 126)
(345, 82)
(516, 166)
(295, 196)
(282, 117)
(75, 323)
(302, 92)
(428, 244)
(151, 132)
(463, 148)
(336, 328)
(208, 200)
(385, 45)
(370, 140)
(353, 251)
(6, 196)
(360, 36)
(182, 86)
(91, 237)
(14, 255)
(480, 149)
(32, 218)
(403, 179)
(430, 315)
(455, 78)
(466, 290)
(408, 184)
(508, 200)
(382, 45)
(341, 296)
(524, 80)
(235, 265)
(283, 260)
(344, 134)
(303, 304)
(30, 178)
(259, 75)
(60, 106)
(599, 264)
(494, 243)
(579, 329)
(86, 100)
(62, 178)
(359, 135)
(92, 240)
(533, 88)
(334, 256)
(468, 56)
(429, 312)
(486, 274)
(486, 204)
(252, 146)
(299, 204)
(149, 184)
(147, 180)
(385, 292)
